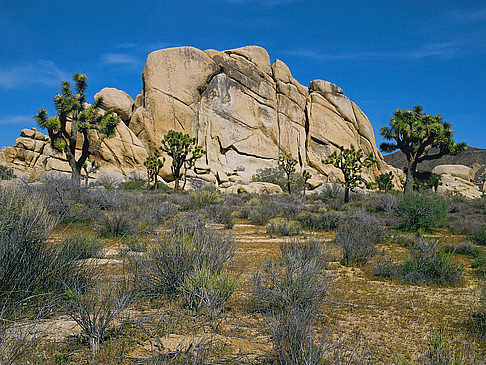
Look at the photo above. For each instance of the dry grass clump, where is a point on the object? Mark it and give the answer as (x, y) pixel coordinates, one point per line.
(358, 235)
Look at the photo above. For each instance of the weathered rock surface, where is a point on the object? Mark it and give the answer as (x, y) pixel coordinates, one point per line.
(118, 101)
(243, 110)
(458, 179)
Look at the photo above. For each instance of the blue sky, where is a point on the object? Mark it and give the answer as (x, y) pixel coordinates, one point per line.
(383, 54)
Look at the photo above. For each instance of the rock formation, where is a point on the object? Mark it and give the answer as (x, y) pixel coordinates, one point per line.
(457, 179)
(242, 109)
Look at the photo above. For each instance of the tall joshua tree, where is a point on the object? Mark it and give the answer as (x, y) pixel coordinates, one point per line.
(351, 162)
(75, 122)
(416, 134)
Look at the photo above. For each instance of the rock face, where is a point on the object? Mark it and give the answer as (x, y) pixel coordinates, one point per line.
(243, 110)
(457, 179)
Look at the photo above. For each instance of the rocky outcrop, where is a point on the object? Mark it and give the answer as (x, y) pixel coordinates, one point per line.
(123, 154)
(244, 111)
(457, 179)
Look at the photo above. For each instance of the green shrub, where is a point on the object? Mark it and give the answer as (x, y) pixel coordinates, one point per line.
(421, 211)
(480, 237)
(206, 291)
(135, 244)
(6, 173)
(282, 227)
(320, 221)
(83, 247)
(132, 185)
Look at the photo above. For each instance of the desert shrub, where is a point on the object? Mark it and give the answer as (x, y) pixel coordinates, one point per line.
(108, 181)
(222, 214)
(463, 248)
(175, 254)
(30, 268)
(421, 211)
(206, 291)
(132, 185)
(428, 265)
(6, 173)
(295, 280)
(83, 247)
(292, 289)
(320, 221)
(479, 262)
(480, 237)
(469, 224)
(380, 202)
(358, 235)
(17, 340)
(94, 309)
(282, 227)
(135, 243)
(263, 212)
(116, 224)
(200, 199)
(404, 241)
(276, 175)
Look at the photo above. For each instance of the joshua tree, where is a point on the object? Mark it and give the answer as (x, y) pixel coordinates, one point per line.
(416, 134)
(75, 122)
(385, 182)
(153, 164)
(306, 175)
(88, 169)
(183, 151)
(287, 163)
(350, 161)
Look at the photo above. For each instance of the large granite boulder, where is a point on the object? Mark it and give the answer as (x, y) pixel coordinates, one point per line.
(118, 101)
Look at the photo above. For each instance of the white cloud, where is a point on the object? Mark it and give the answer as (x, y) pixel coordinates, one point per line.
(16, 119)
(119, 59)
(43, 72)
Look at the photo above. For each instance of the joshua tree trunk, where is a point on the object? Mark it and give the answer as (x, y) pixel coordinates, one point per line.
(410, 178)
(346, 194)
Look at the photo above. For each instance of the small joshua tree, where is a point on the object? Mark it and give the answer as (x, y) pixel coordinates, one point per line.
(75, 122)
(351, 162)
(287, 163)
(385, 182)
(183, 151)
(153, 164)
(90, 167)
(306, 175)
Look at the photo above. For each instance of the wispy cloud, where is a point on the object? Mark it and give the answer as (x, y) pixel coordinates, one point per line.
(119, 59)
(16, 119)
(439, 50)
(467, 16)
(44, 72)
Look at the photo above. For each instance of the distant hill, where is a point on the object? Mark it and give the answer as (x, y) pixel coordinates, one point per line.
(472, 157)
